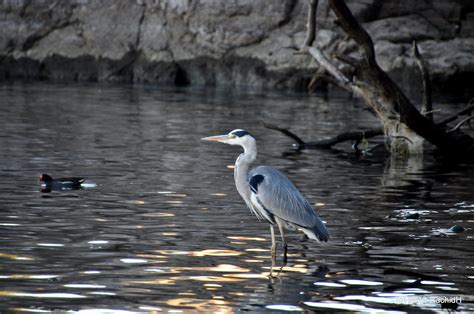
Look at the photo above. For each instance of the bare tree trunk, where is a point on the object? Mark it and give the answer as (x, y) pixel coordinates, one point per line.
(405, 127)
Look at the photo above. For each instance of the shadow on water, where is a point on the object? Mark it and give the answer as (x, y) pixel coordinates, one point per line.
(165, 228)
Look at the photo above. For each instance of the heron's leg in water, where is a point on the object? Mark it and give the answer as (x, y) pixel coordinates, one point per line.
(283, 242)
(272, 231)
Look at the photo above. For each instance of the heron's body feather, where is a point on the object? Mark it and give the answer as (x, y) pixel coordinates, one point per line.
(278, 195)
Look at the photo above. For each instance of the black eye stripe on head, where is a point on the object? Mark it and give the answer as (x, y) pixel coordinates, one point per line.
(240, 133)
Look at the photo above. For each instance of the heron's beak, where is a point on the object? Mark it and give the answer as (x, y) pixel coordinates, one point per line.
(217, 138)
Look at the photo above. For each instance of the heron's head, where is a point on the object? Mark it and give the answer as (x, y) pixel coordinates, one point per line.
(235, 137)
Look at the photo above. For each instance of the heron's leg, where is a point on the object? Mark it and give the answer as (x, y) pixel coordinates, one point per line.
(272, 231)
(283, 241)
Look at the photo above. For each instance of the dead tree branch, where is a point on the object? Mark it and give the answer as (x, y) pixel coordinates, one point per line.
(301, 144)
(346, 136)
(315, 80)
(315, 52)
(455, 115)
(311, 34)
(348, 59)
(365, 134)
(398, 115)
(329, 142)
(466, 119)
(326, 63)
(352, 28)
(427, 107)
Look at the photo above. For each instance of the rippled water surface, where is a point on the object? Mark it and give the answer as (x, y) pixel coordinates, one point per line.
(164, 228)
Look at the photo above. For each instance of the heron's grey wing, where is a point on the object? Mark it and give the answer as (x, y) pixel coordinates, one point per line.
(278, 196)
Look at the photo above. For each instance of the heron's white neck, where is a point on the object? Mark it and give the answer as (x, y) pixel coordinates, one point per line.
(248, 156)
(242, 167)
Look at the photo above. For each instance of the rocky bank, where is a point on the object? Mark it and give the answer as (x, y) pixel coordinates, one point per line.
(226, 42)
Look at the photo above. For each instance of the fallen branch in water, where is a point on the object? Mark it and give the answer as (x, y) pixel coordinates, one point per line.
(299, 141)
(364, 134)
(466, 119)
(346, 136)
(329, 142)
(454, 116)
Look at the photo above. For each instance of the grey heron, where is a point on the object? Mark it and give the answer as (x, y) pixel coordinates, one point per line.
(269, 194)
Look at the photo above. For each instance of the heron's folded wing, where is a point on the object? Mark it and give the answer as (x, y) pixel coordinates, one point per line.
(281, 198)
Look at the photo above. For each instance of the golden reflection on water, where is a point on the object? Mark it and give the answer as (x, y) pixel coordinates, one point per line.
(58, 295)
(27, 276)
(158, 214)
(263, 275)
(169, 233)
(175, 202)
(202, 253)
(151, 256)
(164, 270)
(172, 280)
(219, 268)
(296, 268)
(222, 278)
(135, 202)
(15, 257)
(246, 238)
(253, 260)
(186, 293)
(167, 281)
(257, 250)
(200, 305)
(212, 283)
(301, 260)
(175, 195)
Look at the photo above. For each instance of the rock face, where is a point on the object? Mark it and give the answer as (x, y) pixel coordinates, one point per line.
(231, 42)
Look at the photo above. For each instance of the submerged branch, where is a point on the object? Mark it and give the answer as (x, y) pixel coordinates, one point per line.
(466, 119)
(329, 142)
(346, 136)
(299, 141)
(365, 134)
(454, 116)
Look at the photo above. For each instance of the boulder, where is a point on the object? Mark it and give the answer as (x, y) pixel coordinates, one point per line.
(225, 43)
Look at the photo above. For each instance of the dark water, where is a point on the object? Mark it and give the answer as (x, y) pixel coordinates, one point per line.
(165, 229)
